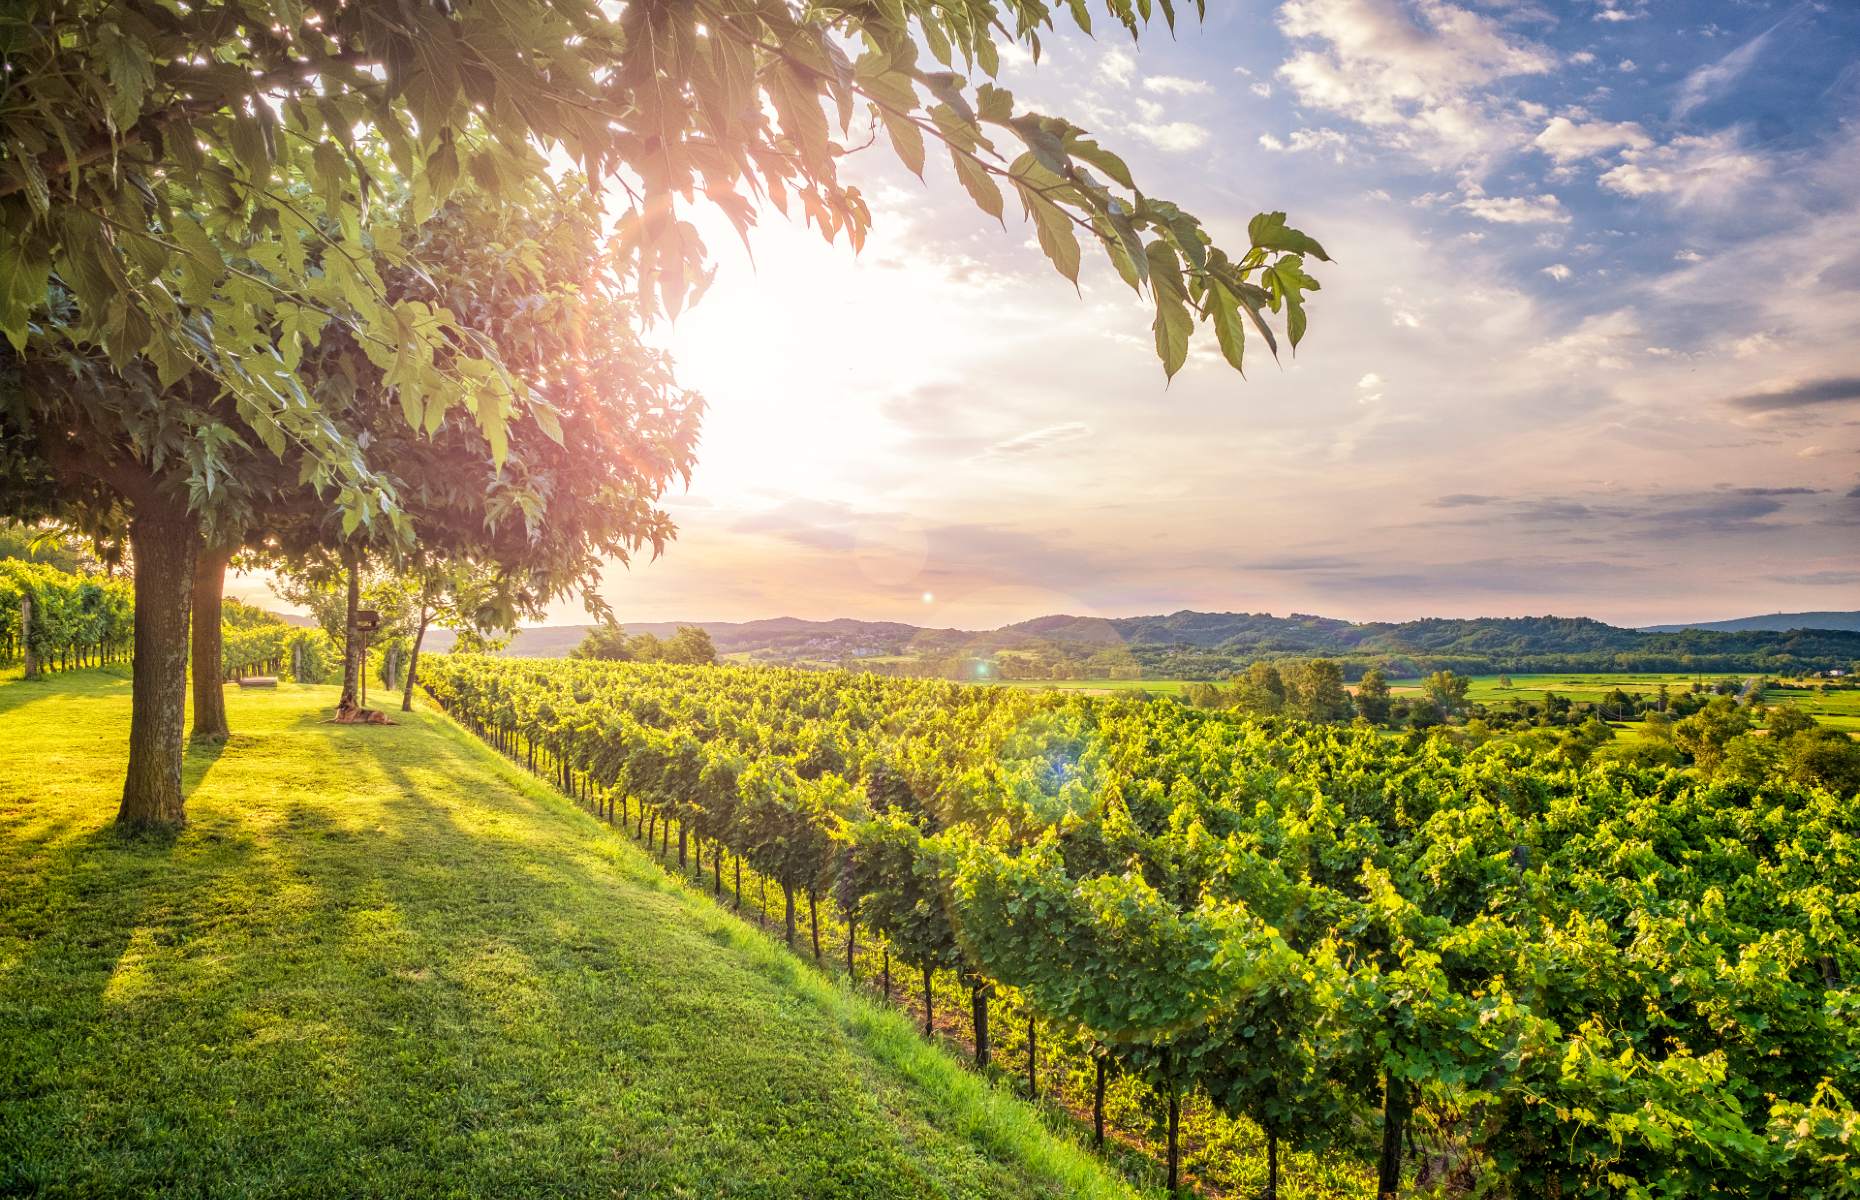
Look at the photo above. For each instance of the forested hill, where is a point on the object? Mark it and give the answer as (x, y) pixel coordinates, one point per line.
(1774, 622)
(1190, 644)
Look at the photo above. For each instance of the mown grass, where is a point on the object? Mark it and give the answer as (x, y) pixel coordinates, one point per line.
(379, 961)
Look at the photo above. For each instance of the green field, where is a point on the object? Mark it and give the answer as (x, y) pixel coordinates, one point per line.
(1838, 710)
(1485, 689)
(1156, 687)
(380, 961)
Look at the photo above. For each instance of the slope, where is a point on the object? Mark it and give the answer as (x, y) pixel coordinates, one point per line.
(1773, 623)
(379, 961)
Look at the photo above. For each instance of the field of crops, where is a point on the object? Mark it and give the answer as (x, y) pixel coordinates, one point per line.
(1404, 961)
(1837, 709)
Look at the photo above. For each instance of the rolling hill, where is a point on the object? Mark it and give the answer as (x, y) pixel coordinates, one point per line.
(1190, 644)
(1772, 622)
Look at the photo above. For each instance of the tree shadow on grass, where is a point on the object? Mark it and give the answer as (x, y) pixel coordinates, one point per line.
(97, 683)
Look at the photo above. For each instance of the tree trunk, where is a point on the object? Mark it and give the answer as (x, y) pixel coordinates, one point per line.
(1175, 1139)
(684, 846)
(887, 973)
(164, 538)
(852, 942)
(209, 687)
(929, 1004)
(813, 920)
(716, 867)
(1396, 1103)
(787, 893)
(1097, 1106)
(413, 668)
(1272, 1165)
(978, 1016)
(351, 642)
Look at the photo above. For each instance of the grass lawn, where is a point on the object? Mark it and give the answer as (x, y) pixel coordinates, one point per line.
(379, 961)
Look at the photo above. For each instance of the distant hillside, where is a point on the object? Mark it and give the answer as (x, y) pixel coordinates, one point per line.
(1773, 623)
(1205, 645)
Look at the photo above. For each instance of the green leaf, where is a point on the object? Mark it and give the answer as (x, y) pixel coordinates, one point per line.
(906, 140)
(126, 61)
(1104, 160)
(977, 182)
(1229, 327)
(1173, 323)
(1269, 232)
(1054, 227)
(248, 144)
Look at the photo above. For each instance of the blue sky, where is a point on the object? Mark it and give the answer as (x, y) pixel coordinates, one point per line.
(1588, 347)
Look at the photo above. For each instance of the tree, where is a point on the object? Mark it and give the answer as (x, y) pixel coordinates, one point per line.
(1260, 690)
(606, 641)
(1447, 690)
(1372, 697)
(1316, 692)
(128, 127)
(690, 645)
(187, 209)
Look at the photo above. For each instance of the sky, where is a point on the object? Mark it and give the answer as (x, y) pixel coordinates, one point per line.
(1588, 345)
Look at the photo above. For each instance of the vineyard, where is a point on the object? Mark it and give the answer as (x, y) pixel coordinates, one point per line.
(58, 620)
(1380, 959)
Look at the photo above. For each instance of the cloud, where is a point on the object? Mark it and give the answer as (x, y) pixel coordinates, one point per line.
(1516, 210)
(1176, 137)
(1040, 439)
(1117, 66)
(1262, 90)
(1812, 394)
(1557, 271)
(1693, 170)
(1415, 72)
(1567, 141)
(1308, 139)
(1714, 79)
(1628, 66)
(1465, 500)
(1176, 85)
(1688, 256)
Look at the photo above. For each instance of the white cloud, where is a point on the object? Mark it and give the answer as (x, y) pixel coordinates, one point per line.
(1602, 341)
(1516, 210)
(1628, 66)
(1689, 256)
(1567, 141)
(1176, 85)
(1557, 271)
(1370, 382)
(1582, 58)
(1702, 170)
(1262, 90)
(1176, 137)
(1417, 73)
(1753, 345)
(1713, 79)
(1308, 139)
(1117, 66)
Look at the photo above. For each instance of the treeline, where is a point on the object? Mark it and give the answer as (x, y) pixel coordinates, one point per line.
(56, 620)
(1786, 655)
(1449, 964)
